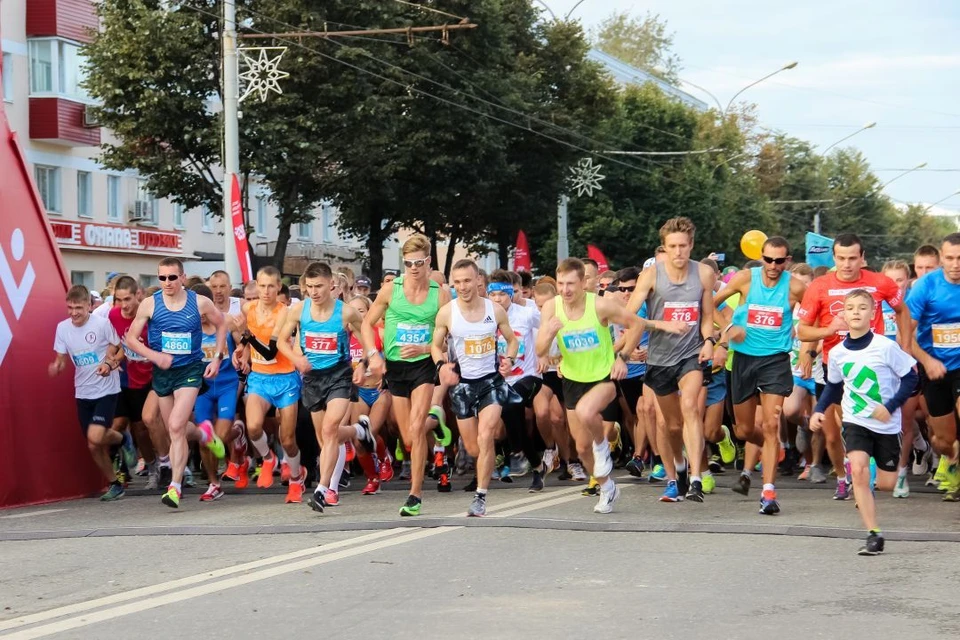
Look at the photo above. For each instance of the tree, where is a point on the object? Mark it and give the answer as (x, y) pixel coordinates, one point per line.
(640, 42)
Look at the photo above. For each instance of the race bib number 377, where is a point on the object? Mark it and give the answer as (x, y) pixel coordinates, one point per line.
(320, 343)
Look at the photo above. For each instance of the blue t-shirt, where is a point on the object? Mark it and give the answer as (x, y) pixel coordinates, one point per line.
(935, 305)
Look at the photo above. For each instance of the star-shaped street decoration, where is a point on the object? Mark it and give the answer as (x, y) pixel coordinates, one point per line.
(263, 74)
(586, 177)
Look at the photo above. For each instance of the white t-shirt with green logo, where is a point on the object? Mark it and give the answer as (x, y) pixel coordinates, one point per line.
(870, 376)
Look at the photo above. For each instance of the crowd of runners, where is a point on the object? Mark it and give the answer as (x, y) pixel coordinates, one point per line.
(502, 377)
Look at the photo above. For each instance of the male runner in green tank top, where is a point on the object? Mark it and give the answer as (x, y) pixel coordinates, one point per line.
(409, 307)
(580, 323)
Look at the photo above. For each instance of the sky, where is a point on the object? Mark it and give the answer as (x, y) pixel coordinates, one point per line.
(893, 62)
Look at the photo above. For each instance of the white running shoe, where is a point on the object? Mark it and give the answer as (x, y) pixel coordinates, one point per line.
(576, 470)
(606, 500)
(901, 489)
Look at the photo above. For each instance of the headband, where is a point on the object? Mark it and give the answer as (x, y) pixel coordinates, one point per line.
(500, 287)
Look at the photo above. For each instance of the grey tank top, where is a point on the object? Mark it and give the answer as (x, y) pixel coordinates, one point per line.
(672, 301)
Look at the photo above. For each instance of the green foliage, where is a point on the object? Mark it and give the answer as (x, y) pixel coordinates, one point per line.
(641, 42)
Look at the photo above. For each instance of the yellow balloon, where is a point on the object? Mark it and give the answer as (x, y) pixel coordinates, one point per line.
(751, 244)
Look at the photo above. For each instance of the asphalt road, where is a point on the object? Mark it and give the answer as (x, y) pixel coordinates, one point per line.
(540, 565)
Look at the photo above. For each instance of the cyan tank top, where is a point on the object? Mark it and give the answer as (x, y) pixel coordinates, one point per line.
(177, 332)
(769, 317)
(209, 345)
(326, 344)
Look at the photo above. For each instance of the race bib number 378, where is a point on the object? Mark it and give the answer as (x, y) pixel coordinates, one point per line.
(688, 312)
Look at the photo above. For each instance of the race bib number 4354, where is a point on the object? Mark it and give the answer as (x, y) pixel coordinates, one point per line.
(688, 312)
(413, 333)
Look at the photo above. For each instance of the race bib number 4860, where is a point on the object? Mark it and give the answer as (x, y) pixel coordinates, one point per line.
(763, 317)
(176, 343)
(688, 312)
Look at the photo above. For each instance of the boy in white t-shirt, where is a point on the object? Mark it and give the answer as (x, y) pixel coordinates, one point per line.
(874, 377)
(93, 345)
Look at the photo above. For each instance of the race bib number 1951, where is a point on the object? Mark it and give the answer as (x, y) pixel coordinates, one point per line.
(946, 336)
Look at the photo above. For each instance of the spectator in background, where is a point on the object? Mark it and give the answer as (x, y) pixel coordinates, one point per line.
(606, 279)
(250, 293)
(362, 286)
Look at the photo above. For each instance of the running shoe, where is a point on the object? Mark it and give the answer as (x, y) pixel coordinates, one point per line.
(317, 502)
(805, 474)
(114, 492)
(129, 450)
(658, 474)
(550, 461)
(232, 472)
(441, 433)
(411, 507)
(284, 472)
(519, 465)
(212, 442)
(443, 483)
(536, 485)
(714, 465)
(472, 485)
(171, 498)
(164, 476)
(153, 477)
(405, 470)
(213, 492)
(477, 508)
(709, 483)
(141, 469)
(441, 471)
(386, 469)
(940, 474)
(564, 471)
(817, 476)
(349, 451)
(296, 487)
(873, 546)
(243, 474)
(602, 462)
(768, 503)
(372, 488)
(592, 488)
(607, 498)
(683, 481)
(265, 479)
(398, 451)
(576, 472)
(728, 450)
(332, 498)
(505, 475)
(738, 461)
(921, 463)
(952, 483)
(188, 481)
(843, 490)
(902, 488)
(743, 485)
(635, 467)
(671, 493)
(367, 439)
(847, 472)
(695, 493)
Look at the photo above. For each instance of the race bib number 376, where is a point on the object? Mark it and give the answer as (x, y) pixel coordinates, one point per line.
(763, 317)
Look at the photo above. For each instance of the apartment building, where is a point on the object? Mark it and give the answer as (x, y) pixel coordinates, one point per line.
(107, 221)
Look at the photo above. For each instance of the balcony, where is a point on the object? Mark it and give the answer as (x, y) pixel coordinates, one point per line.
(61, 121)
(70, 19)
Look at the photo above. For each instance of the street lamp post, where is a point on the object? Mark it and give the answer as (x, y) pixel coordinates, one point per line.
(723, 111)
(944, 199)
(870, 125)
(231, 136)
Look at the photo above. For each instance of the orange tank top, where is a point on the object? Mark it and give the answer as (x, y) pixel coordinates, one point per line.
(264, 331)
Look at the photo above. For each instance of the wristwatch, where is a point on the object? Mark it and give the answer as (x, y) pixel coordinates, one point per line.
(711, 340)
(623, 356)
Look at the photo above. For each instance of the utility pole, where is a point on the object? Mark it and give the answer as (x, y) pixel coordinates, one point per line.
(231, 136)
(816, 222)
(563, 246)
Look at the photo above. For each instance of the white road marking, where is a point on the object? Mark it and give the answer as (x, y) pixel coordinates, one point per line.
(31, 514)
(173, 591)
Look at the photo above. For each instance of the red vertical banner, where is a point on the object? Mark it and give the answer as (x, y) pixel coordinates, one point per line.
(595, 254)
(240, 231)
(521, 256)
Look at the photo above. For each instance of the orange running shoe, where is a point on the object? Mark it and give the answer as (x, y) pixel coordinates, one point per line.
(332, 498)
(265, 481)
(284, 472)
(295, 489)
(232, 472)
(243, 474)
(351, 451)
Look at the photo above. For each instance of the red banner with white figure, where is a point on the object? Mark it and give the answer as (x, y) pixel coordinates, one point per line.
(595, 254)
(240, 232)
(521, 256)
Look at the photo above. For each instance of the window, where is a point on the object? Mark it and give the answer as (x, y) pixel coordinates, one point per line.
(327, 220)
(7, 72)
(84, 194)
(148, 280)
(305, 230)
(177, 216)
(113, 198)
(261, 216)
(207, 219)
(48, 184)
(57, 66)
(82, 277)
(147, 208)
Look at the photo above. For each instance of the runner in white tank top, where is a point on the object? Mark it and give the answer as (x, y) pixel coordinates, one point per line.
(478, 389)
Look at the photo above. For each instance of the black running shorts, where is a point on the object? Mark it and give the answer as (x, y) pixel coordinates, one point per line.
(882, 447)
(320, 387)
(403, 377)
(752, 375)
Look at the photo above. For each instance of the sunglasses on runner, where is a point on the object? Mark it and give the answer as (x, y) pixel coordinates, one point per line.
(166, 278)
(415, 263)
(625, 289)
(770, 260)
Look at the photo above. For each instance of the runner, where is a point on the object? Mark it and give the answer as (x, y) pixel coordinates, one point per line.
(172, 316)
(823, 303)
(219, 283)
(409, 306)
(874, 377)
(762, 339)
(679, 296)
(934, 302)
(925, 260)
(478, 390)
(273, 381)
(94, 347)
(322, 322)
(580, 321)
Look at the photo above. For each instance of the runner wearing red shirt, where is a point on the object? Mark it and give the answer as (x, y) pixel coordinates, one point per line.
(821, 318)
